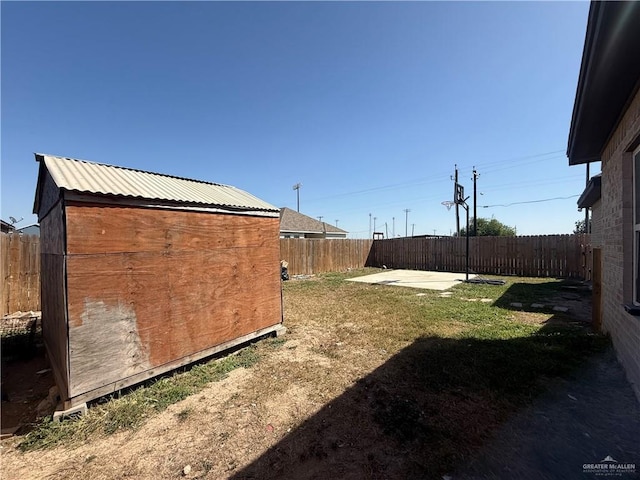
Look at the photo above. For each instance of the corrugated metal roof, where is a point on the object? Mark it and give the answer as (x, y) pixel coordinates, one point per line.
(97, 178)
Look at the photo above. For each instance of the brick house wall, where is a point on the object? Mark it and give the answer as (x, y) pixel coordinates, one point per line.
(616, 229)
(596, 225)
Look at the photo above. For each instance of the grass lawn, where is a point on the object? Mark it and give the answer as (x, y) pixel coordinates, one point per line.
(370, 382)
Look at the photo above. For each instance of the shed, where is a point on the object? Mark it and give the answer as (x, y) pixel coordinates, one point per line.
(143, 273)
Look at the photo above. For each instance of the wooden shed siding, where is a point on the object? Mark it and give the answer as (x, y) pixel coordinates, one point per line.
(53, 299)
(147, 287)
(49, 194)
(100, 229)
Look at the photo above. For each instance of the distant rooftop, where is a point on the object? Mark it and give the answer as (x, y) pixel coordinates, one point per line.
(292, 221)
(101, 179)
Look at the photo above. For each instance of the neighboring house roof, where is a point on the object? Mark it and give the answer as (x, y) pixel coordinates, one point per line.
(609, 77)
(292, 221)
(6, 227)
(29, 229)
(100, 179)
(591, 193)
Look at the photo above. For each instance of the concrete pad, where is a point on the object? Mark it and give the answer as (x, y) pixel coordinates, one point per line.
(414, 279)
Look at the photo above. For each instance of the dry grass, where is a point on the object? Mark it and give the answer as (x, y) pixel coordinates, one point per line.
(370, 382)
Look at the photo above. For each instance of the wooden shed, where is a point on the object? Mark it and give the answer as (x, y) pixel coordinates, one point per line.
(143, 273)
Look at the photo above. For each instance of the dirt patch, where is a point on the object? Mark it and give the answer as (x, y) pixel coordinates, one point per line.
(369, 382)
(25, 383)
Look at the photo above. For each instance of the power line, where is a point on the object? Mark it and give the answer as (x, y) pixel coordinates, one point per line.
(529, 201)
(485, 165)
(486, 189)
(439, 178)
(529, 183)
(519, 165)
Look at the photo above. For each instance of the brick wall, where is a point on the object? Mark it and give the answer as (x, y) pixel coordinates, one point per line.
(616, 230)
(596, 224)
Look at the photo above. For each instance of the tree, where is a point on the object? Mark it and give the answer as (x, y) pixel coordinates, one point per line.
(489, 227)
(580, 227)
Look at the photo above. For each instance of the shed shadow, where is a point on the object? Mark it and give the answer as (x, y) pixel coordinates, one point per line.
(427, 410)
(26, 380)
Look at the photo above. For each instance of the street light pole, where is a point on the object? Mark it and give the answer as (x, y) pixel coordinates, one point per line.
(296, 187)
(406, 222)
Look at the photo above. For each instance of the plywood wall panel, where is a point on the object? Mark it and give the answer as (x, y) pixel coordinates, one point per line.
(113, 229)
(53, 295)
(140, 308)
(52, 231)
(49, 194)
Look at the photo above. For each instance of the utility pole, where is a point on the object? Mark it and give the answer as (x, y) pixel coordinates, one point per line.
(370, 236)
(386, 230)
(406, 221)
(413, 228)
(296, 187)
(475, 202)
(320, 217)
(455, 179)
(336, 223)
(374, 224)
(393, 228)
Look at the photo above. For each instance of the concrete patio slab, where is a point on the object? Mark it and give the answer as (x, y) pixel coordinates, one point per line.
(414, 279)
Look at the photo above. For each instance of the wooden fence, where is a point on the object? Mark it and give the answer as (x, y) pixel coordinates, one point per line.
(310, 255)
(20, 272)
(564, 256)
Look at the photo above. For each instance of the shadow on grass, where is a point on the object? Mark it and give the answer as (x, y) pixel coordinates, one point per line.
(427, 409)
(545, 294)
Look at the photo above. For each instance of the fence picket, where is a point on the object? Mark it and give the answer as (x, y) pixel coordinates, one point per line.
(567, 256)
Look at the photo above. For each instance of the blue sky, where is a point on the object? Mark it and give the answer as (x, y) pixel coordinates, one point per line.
(368, 105)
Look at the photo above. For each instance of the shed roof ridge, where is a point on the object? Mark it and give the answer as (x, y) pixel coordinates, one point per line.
(93, 178)
(131, 169)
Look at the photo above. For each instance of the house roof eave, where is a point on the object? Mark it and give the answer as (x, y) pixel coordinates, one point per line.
(608, 79)
(591, 193)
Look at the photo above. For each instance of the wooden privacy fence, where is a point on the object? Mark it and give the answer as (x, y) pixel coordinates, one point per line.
(565, 256)
(310, 255)
(20, 272)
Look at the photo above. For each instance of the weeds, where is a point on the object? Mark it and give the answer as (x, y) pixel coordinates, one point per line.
(275, 342)
(131, 410)
(453, 367)
(183, 414)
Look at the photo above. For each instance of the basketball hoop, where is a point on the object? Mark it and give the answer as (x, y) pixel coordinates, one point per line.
(448, 204)
(458, 194)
